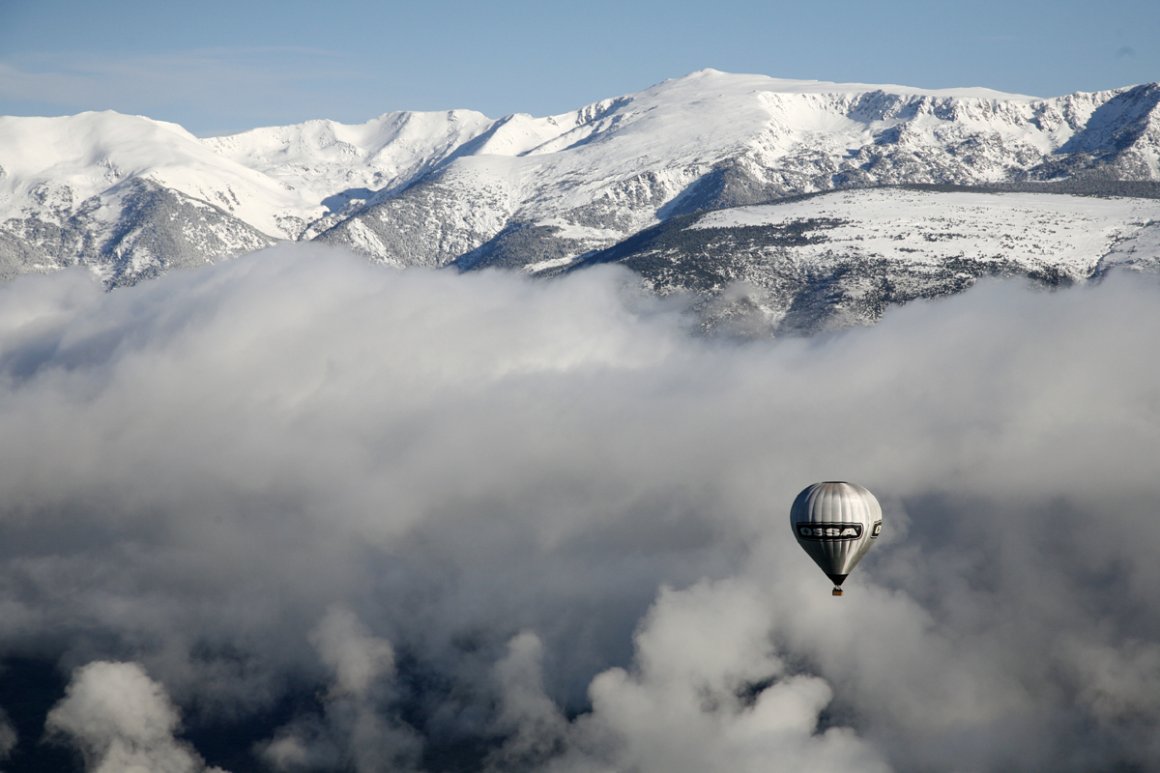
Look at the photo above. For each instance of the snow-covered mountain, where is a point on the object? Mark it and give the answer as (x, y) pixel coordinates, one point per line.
(131, 197)
(840, 258)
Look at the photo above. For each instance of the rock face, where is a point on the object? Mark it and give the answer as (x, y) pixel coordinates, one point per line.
(131, 197)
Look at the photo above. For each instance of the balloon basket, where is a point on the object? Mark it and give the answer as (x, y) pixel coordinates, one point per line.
(836, 592)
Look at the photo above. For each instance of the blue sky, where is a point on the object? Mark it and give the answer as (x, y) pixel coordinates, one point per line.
(217, 66)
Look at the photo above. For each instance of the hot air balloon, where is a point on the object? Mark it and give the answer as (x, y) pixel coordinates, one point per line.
(836, 523)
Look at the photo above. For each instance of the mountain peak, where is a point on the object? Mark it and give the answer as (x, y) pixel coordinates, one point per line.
(447, 186)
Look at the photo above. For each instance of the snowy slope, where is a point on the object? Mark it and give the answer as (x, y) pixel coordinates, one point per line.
(584, 180)
(333, 167)
(842, 258)
(54, 164)
(460, 188)
(1071, 234)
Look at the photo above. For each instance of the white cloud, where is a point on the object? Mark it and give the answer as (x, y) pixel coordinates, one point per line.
(708, 692)
(445, 506)
(355, 727)
(356, 657)
(123, 722)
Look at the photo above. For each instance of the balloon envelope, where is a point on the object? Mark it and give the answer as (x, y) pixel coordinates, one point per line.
(836, 522)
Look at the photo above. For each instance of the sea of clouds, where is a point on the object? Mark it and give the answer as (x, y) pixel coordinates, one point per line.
(415, 520)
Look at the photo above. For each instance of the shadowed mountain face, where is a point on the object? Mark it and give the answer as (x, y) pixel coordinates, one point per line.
(1119, 124)
(130, 197)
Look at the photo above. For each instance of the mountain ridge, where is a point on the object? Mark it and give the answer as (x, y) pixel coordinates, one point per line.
(131, 197)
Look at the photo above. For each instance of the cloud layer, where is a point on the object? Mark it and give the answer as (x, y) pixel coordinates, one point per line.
(122, 721)
(495, 522)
